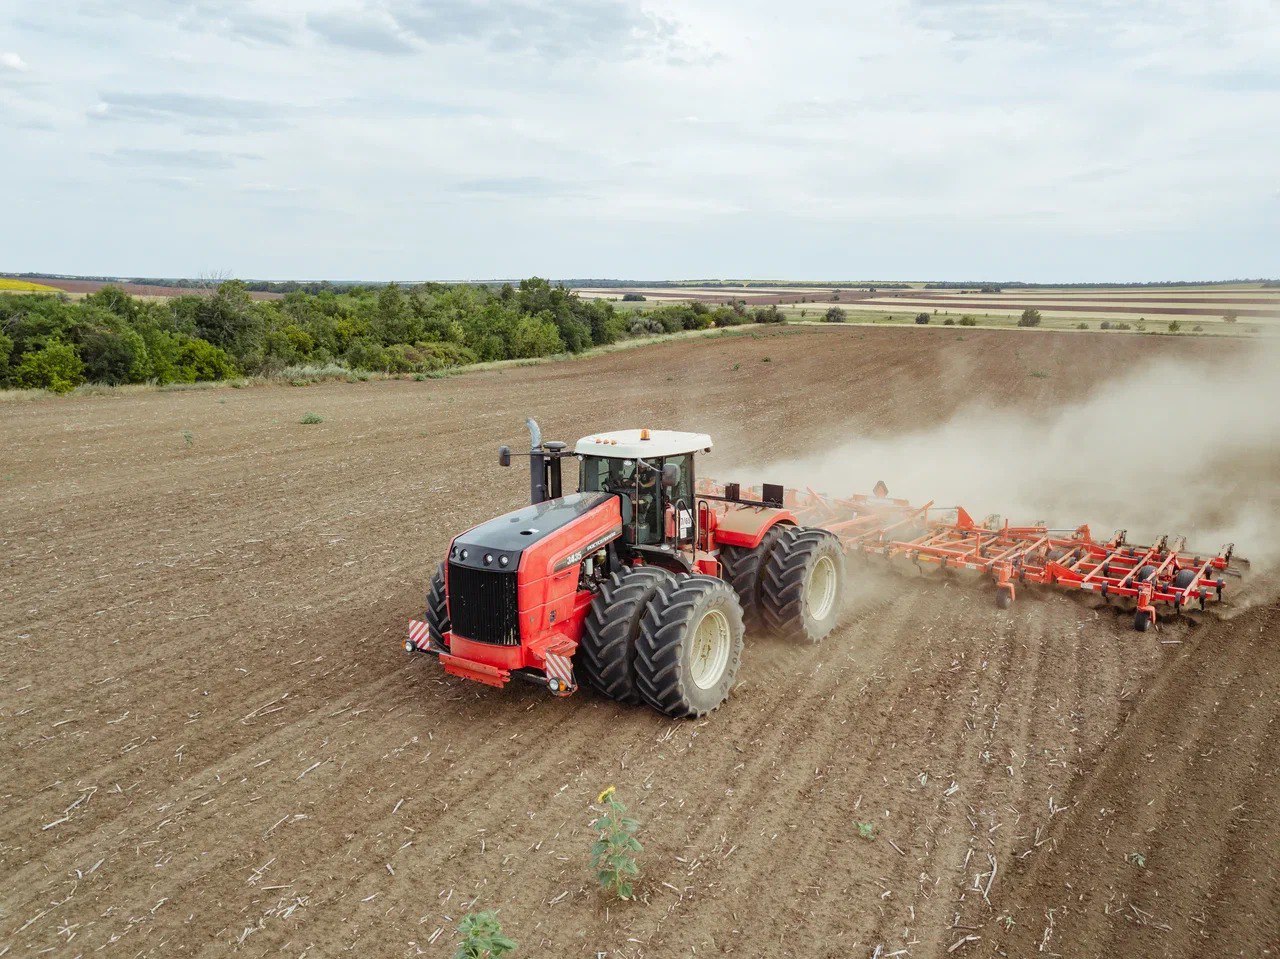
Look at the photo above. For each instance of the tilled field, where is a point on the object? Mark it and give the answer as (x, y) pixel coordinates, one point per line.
(213, 742)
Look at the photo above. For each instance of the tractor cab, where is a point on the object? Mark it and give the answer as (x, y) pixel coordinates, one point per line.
(653, 472)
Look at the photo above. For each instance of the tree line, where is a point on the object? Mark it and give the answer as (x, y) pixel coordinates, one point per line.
(52, 342)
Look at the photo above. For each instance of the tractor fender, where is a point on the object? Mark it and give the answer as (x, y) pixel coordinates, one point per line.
(746, 527)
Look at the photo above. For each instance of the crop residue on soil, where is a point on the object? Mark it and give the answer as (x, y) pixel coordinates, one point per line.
(213, 741)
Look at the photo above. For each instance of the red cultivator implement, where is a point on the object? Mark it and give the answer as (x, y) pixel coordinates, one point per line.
(644, 583)
(1164, 573)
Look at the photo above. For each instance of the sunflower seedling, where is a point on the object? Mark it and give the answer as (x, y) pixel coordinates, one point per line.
(613, 853)
(482, 937)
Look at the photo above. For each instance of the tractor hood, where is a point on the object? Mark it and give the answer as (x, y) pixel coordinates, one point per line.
(509, 535)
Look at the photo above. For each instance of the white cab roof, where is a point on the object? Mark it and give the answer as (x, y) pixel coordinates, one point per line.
(627, 444)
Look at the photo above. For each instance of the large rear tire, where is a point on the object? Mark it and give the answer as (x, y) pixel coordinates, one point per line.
(607, 651)
(802, 585)
(438, 623)
(690, 646)
(742, 569)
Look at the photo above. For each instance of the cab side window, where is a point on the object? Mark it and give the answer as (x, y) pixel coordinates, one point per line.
(681, 495)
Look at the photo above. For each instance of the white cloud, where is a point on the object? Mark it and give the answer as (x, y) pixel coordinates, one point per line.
(12, 61)
(892, 138)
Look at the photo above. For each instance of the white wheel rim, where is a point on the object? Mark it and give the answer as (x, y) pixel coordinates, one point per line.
(820, 590)
(712, 641)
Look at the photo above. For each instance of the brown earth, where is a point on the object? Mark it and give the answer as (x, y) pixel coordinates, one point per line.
(213, 743)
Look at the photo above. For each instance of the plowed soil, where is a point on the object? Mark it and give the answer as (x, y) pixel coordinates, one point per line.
(214, 744)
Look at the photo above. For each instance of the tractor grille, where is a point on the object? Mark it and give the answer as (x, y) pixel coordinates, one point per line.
(483, 605)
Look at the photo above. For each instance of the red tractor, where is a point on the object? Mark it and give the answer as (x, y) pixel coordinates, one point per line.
(641, 584)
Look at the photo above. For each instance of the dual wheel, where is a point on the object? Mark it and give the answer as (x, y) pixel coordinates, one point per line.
(675, 641)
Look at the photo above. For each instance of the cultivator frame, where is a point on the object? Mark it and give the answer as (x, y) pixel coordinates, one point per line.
(1165, 573)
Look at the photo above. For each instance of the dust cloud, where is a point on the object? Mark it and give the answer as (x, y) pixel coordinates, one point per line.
(1174, 447)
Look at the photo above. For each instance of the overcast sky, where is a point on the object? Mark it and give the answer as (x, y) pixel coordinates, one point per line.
(889, 139)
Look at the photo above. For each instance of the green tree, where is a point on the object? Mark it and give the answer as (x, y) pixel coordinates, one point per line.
(1030, 317)
(227, 318)
(6, 350)
(113, 356)
(55, 367)
(114, 300)
(834, 315)
(922, 318)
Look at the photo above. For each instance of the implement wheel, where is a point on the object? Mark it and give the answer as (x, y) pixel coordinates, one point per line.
(802, 584)
(690, 646)
(742, 569)
(1141, 620)
(438, 610)
(607, 650)
(1003, 599)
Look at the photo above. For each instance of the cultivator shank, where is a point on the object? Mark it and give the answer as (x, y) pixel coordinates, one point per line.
(1165, 574)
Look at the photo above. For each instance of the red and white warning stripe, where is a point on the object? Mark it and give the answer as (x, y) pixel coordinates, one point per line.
(419, 633)
(561, 667)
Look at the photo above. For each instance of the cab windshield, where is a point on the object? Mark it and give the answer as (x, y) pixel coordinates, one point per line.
(648, 497)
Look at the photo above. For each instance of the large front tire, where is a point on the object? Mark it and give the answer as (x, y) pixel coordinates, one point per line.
(690, 646)
(438, 623)
(803, 585)
(607, 651)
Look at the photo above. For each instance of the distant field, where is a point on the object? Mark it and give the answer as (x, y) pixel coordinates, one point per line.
(77, 288)
(1216, 309)
(8, 285)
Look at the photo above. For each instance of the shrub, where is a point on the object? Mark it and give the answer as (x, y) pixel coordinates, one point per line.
(613, 853)
(948, 322)
(113, 356)
(922, 318)
(1029, 317)
(1197, 328)
(1174, 326)
(769, 314)
(1104, 325)
(6, 350)
(439, 356)
(197, 360)
(968, 321)
(1122, 326)
(310, 419)
(834, 315)
(482, 937)
(56, 368)
(1230, 318)
(646, 327)
(1082, 326)
(633, 298)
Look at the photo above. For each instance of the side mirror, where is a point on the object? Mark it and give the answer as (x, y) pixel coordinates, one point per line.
(504, 455)
(670, 475)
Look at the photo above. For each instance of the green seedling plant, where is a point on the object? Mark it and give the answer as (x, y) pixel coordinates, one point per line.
(1136, 859)
(613, 855)
(311, 419)
(482, 937)
(188, 438)
(866, 830)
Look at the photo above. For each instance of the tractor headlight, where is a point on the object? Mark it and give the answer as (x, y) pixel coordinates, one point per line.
(504, 560)
(488, 558)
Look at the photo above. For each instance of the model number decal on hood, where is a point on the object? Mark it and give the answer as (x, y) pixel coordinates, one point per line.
(577, 555)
